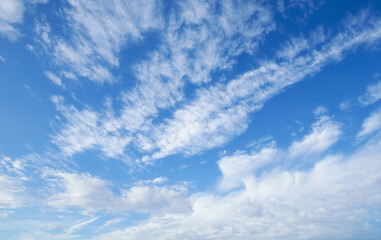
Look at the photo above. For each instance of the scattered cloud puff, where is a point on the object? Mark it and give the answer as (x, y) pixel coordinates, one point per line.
(11, 13)
(325, 133)
(29, 47)
(54, 78)
(345, 105)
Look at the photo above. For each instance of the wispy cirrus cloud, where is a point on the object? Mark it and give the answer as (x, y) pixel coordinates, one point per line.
(79, 226)
(194, 44)
(55, 79)
(371, 124)
(96, 35)
(222, 111)
(217, 113)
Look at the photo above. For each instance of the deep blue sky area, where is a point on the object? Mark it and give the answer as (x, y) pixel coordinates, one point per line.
(191, 119)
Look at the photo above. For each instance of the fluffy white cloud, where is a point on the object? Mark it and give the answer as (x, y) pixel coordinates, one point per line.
(238, 167)
(325, 133)
(11, 12)
(92, 194)
(243, 165)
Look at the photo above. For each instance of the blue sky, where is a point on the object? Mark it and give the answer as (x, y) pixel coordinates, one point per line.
(190, 119)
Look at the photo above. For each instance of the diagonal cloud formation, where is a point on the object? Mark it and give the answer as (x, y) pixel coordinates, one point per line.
(222, 111)
(217, 113)
(194, 44)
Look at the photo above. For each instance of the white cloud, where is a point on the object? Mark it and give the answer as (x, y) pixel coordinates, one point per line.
(372, 95)
(79, 226)
(242, 165)
(78, 190)
(98, 31)
(85, 129)
(325, 133)
(4, 213)
(2, 59)
(238, 167)
(345, 105)
(110, 223)
(336, 198)
(10, 189)
(371, 124)
(306, 7)
(29, 47)
(11, 13)
(38, 1)
(160, 180)
(54, 78)
(12, 166)
(155, 199)
(92, 194)
(11, 183)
